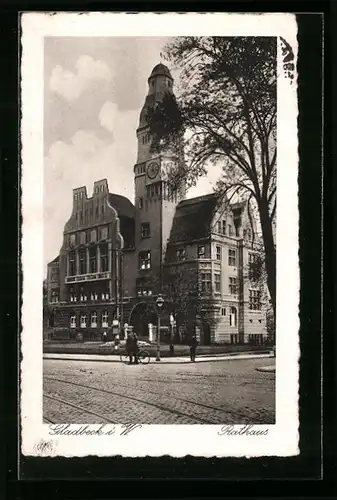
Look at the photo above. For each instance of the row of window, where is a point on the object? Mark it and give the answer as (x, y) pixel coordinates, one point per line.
(144, 291)
(93, 320)
(83, 297)
(140, 169)
(91, 236)
(85, 216)
(160, 189)
(206, 283)
(181, 254)
(227, 229)
(88, 259)
(80, 195)
(146, 138)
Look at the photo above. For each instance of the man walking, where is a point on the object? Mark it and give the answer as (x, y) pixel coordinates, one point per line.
(193, 348)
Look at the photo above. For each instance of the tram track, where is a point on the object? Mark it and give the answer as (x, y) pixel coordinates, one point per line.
(77, 407)
(160, 406)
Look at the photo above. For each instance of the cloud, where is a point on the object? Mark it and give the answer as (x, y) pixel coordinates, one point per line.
(71, 85)
(81, 161)
(107, 115)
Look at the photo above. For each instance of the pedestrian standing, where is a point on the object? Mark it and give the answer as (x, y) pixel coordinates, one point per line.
(130, 347)
(193, 348)
(135, 348)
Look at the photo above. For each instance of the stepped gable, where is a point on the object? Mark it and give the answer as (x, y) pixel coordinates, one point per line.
(193, 218)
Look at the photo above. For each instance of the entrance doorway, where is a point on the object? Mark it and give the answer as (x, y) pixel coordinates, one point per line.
(141, 315)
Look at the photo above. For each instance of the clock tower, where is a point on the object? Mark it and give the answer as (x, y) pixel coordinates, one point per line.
(155, 203)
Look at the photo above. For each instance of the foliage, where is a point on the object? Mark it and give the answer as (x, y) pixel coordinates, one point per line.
(183, 294)
(226, 114)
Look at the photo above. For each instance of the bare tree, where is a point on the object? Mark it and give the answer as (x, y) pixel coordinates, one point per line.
(226, 114)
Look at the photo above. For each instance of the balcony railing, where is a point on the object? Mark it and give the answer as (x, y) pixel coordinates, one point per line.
(88, 277)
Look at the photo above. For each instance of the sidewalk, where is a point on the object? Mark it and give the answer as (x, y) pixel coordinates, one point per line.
(110, 358)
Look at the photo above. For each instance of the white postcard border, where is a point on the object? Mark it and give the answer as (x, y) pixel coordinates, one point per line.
(156, 440)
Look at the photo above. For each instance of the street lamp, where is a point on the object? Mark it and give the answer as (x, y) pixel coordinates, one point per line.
(159, 303)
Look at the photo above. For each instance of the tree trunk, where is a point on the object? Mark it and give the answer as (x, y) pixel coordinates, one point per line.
(270, 252)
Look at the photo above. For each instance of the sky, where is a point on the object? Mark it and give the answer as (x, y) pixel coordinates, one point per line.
(94, 89)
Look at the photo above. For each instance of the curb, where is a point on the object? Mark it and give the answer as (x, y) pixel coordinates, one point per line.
(170, 362)
(269, 369)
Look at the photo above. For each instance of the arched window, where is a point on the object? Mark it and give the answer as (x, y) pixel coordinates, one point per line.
(233, 317)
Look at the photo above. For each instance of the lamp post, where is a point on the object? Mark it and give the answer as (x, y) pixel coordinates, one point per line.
(159, 303)
(171, 335)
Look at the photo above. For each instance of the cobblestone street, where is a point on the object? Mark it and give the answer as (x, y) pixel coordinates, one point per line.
(218, 392)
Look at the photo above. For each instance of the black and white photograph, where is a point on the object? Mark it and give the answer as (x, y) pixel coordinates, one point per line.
(160, 234)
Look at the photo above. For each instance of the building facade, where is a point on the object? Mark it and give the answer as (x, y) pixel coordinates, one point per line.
(116, 257)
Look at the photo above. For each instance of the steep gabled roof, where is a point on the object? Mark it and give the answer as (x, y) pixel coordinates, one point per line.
(54, 261)
(193, 218)
(123, 205)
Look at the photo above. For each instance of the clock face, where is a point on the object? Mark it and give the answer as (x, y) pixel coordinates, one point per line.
(152, 170)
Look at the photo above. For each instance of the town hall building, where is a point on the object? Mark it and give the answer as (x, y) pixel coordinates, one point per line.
(117, 257)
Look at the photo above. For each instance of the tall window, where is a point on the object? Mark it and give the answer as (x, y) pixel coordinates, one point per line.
(255, 300)
(93, 262)
(218, 226)
(233, 318)
(72, 240)
(72, 295)
(104, 258)
(217, 282)
(82, 238)
(145, 230)
(201, 252)
(83, 295)
(249, 234)
(206, 282)
(83, 321)
(54, 296)
(232, 257)
(223, 227)
(93, 236)
(72, 264)
(94, 320)
(105, 319)
(83, 261)
(218, 252)
(140, 203)
(145, 260)
(181, 253)
(255, 266)
(72, 321)
(230, 230)
(232, 286)
(103, 233)
(223, 311)
(94, 296)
